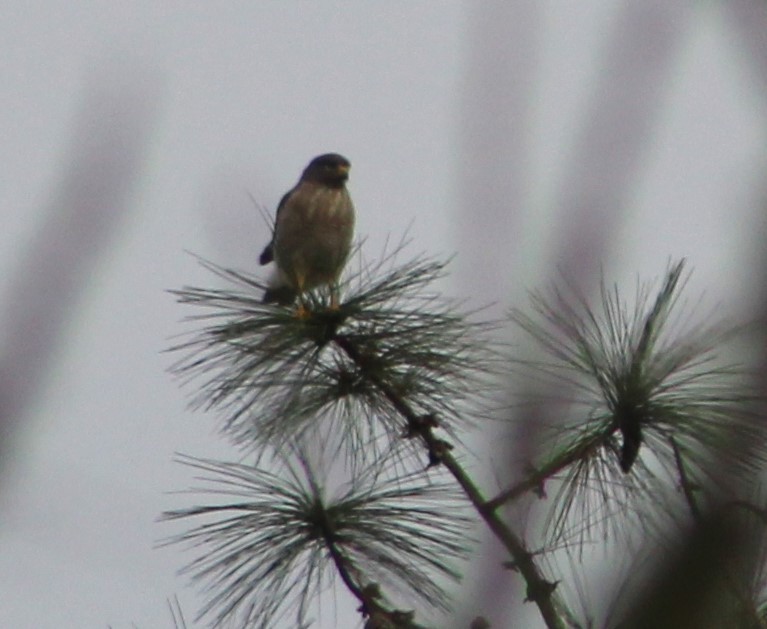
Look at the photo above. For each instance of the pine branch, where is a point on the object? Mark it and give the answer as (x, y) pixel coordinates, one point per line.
(409, 357)
(639, 372)
(581, 449)
(276, 377)
(539, 590)
(271, 544)
(396, 360)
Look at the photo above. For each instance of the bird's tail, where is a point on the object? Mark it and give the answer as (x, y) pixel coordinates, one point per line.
(267, 255)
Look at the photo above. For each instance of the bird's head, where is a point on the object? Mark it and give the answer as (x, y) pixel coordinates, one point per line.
(331, 170)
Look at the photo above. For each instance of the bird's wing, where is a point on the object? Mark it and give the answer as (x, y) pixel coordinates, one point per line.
(267, 255)
(281, 204)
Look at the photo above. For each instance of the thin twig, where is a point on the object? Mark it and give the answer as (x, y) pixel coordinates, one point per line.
(368, 605)
(536, 480)
(684, 480)
(367, 596)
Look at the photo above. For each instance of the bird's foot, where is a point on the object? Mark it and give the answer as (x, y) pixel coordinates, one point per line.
(302, 312)
(335, 304)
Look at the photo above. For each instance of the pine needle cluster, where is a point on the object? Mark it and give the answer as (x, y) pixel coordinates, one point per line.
(366, 382)
(274, 376)
(651, 399)
(269, 543)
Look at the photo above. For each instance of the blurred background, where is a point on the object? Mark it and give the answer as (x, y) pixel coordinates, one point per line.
(519, 136)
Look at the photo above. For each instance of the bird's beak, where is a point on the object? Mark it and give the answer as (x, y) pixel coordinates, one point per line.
(344, 170)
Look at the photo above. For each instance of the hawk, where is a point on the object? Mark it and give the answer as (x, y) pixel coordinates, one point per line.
(313, 232)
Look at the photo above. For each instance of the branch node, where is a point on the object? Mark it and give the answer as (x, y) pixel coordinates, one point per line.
(372, 591)
(420, 425)
(381, 619)
(540, 487)
(437, 450)
(541, 590)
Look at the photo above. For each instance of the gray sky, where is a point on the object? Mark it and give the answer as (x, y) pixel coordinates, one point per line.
(457, 117)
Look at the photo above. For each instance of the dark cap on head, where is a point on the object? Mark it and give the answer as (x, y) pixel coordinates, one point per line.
(330, 169)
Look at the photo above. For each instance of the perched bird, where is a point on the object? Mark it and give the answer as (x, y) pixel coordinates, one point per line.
(313, 232)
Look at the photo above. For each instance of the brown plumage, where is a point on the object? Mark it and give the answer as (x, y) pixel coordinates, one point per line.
(313, 231)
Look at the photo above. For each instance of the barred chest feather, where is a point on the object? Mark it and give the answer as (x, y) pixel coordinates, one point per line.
(314, 234)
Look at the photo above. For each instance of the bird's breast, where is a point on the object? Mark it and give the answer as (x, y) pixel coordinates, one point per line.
(317, 208)
(323, 204)
(314, 232)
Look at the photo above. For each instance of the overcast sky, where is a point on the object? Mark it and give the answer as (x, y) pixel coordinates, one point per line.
(515, 135)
